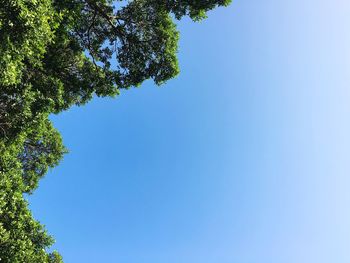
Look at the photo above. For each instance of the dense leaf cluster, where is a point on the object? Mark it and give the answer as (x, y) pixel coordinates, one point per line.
(59, 53)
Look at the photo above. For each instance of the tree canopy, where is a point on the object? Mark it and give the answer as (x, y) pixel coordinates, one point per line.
(59, 53)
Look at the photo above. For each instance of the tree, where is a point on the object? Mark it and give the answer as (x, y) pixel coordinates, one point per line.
(59, 53)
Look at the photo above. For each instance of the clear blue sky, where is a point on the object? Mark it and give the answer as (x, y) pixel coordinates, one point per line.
(243, 158)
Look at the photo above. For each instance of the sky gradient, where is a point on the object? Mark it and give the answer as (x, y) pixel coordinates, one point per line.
(243, 158)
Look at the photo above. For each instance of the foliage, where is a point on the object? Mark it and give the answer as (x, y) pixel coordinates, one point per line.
(59, 53)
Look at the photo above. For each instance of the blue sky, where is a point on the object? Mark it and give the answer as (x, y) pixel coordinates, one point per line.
(243, 158)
